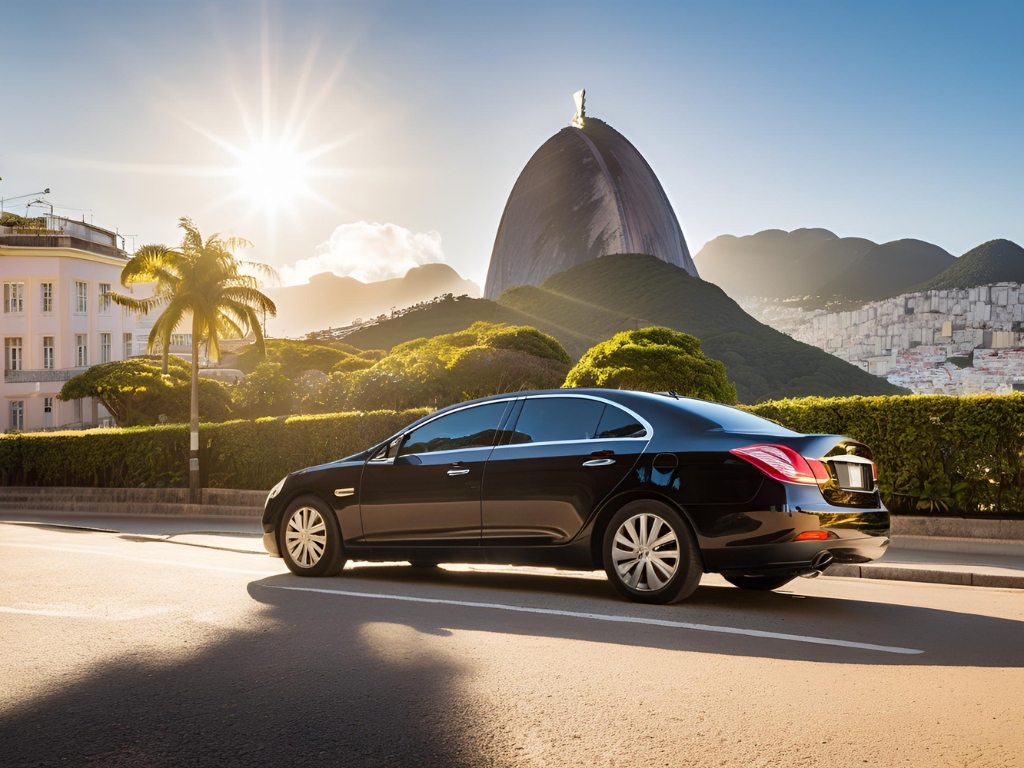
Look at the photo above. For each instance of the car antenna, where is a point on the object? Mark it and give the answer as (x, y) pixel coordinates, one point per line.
(673, 393)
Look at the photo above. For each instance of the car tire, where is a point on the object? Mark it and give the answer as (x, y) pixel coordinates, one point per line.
(650, 554)
(310, 539)
(757, 581)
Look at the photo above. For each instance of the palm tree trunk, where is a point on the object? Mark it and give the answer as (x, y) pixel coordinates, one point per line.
(194, 487)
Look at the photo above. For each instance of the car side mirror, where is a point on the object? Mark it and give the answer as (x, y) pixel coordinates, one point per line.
(411, 459)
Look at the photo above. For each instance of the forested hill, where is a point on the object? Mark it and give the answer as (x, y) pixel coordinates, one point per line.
(997, 261)
(593, 301)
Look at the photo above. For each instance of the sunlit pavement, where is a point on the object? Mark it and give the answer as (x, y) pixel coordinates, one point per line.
(167, 649)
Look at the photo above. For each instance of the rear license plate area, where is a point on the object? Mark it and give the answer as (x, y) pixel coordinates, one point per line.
(853, 477)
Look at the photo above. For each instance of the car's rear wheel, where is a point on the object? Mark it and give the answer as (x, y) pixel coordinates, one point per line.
(650, 553)
(310, 539)
(758, 581)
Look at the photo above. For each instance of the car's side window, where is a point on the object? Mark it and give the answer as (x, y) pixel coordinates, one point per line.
(615, 422)
(469, 428)
(557, 419)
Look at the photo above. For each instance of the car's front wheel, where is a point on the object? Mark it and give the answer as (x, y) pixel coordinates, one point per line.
(651, 554)
(310, 539)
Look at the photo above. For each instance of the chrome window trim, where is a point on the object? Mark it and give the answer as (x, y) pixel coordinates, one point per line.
(646, 424)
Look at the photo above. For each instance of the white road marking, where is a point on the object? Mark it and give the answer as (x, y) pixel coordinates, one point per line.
(147, 560)
(493, 606)
(614, 618)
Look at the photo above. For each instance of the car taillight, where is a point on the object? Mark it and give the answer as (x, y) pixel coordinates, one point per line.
(811, 536)
(781, 462)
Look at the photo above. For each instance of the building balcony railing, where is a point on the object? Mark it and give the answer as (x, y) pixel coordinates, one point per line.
(42, 374)
(61, 241)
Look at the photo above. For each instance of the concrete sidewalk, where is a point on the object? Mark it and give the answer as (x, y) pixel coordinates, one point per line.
(972, 568)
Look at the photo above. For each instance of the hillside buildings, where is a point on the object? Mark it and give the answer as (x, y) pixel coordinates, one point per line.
(58, 320)
(963, 341)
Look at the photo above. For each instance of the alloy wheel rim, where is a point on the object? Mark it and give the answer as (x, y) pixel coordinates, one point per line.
(646, 552)
(306, 537)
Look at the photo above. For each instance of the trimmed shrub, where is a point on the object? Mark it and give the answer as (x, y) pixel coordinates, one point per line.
(249, 455)
(137, 392)
(935, 454)
(653, 360)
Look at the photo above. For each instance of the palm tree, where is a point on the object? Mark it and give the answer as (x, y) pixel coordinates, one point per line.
(203, 280)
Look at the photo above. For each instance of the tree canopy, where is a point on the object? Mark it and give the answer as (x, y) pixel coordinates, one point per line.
(137, 392)
(483, 359)
(299, 356)
(264, 392)
(653, 360)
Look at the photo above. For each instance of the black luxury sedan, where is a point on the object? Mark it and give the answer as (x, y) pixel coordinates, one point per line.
(654, 488)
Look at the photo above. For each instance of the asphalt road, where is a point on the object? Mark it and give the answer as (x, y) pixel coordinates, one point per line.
(129, 649)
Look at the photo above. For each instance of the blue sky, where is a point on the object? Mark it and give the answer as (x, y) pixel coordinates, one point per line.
(881, 120)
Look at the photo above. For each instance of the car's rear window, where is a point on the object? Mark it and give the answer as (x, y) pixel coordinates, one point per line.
(732, 419)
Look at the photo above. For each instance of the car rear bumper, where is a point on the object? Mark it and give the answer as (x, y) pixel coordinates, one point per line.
(853, 536)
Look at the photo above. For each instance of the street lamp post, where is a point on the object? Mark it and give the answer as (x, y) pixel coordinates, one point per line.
(18, 197)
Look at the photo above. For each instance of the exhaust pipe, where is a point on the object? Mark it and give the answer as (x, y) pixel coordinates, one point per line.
(821, 561)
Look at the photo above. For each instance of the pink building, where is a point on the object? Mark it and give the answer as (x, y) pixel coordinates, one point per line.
(57, 320)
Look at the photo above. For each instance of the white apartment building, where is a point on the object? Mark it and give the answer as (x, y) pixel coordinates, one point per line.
(57, 320)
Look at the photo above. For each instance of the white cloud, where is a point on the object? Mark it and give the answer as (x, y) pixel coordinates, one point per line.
(367, 252)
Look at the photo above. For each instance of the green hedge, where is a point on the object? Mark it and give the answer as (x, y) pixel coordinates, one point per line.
(935, 454)
(235, 454)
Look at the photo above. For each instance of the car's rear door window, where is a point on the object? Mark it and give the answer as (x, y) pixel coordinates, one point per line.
(615, 422)
(557, 419)
(468, 428)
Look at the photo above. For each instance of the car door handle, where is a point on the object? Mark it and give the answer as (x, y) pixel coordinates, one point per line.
(598, 462)
(457, 472)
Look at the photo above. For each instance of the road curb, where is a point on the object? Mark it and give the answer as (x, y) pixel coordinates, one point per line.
(927, 576)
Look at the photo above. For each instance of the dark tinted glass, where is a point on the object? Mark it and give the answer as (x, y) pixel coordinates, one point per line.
(617, 423)
(733, 419)
(545, 419)
(467, 428)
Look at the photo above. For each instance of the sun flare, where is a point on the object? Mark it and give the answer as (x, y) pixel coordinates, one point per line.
(273, 176)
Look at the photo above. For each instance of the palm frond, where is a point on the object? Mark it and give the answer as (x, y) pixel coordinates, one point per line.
(250, 297)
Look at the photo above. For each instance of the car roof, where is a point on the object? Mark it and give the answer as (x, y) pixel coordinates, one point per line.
(698, 414)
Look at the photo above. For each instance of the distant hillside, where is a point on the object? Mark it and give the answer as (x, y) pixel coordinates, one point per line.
(997, 261)
(593, 301)
(763, 264)
(329, 301)
(815, 264)
(888, 270)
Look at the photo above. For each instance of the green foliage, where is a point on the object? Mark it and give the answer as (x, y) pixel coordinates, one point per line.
(265, 392)
(653, 360)
(298, 356)
(935, 454)
(484, 359)
(997, 261)
(137, 392)
(590, 303)
(8, 219)
(236, 454)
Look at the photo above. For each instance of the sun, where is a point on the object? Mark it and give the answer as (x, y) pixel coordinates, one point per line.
(275, 165)
(273, 176)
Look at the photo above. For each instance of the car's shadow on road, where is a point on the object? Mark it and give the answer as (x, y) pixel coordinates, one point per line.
(945, 638)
